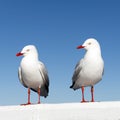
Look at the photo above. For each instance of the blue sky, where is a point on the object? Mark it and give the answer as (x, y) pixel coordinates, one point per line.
(56, 27)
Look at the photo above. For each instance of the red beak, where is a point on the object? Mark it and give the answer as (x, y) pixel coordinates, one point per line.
(19, 54)
(80, 46)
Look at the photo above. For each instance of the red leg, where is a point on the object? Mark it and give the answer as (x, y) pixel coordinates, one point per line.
(92, 94)
(83, 100)
(38, 95)
(29, 96)
(28, 103)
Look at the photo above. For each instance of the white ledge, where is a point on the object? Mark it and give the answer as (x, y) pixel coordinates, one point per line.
(63, 111)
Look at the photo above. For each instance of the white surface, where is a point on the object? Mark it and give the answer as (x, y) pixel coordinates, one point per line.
(63, 111)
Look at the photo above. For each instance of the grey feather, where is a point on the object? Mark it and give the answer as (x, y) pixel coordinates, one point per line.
(20, 77)
(44, 74)
(77, 71)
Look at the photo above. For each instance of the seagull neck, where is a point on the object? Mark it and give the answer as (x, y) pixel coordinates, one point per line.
(93, 52)
(31, 57)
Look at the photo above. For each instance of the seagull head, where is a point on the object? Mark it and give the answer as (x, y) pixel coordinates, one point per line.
(28, 50)
(90, 43)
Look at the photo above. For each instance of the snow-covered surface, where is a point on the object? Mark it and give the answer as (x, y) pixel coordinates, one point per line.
(63, 111)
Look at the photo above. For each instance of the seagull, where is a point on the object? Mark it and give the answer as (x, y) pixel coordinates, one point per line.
(89, 70)
(32, 73)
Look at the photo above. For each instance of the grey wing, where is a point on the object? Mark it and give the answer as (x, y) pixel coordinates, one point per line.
(76, 73)
(78, 68)
(44, 74)
(103, 72)
(20, 77)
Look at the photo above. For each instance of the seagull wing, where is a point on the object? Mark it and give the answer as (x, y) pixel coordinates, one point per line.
(20, 77)
(77, 71)
(78, 68)
(44, 74)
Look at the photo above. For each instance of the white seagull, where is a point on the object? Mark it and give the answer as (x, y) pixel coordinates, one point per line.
(32, 73)
(89, 70)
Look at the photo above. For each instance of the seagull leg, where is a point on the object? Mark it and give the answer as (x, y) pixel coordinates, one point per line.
(29, 96)
(83, 100)
(92, 94)
(38, 95)
(28, 103)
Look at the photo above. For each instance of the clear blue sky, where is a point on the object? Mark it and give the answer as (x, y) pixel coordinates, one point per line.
(56, 28)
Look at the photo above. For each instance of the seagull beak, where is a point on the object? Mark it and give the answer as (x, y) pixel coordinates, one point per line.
(19, 54)
(80, 46)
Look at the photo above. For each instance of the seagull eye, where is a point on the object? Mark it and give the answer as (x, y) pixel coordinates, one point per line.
(89, 43)
(28, 50)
